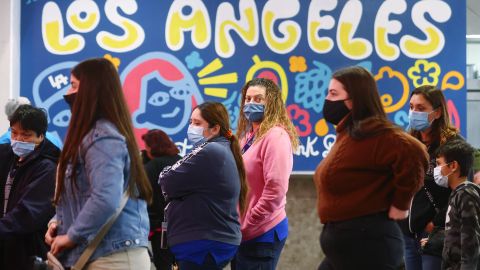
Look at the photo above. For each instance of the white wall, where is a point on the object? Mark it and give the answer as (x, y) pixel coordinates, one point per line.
(473, 55)
(9, 55)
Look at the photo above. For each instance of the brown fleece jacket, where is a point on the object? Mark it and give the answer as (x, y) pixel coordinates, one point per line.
(365, 176)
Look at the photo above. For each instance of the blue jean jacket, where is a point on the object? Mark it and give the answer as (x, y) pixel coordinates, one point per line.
(102, 176)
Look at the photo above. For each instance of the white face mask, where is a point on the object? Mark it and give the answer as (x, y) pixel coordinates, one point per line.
(22, 149)
(195, 134)
(441, 180)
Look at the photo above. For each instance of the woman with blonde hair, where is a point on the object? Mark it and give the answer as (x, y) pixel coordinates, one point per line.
(99, 163)
(268, 139)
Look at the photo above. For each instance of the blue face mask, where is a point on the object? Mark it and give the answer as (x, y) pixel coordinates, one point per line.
(22, 149)
(419, 120)
(195, 134)
(254, 111)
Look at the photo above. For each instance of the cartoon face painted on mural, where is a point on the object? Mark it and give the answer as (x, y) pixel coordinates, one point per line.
(48, 90)
(160, 93)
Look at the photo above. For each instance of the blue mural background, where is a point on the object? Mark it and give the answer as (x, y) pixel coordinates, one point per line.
(163, 80)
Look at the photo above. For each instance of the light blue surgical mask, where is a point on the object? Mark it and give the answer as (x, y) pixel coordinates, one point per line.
(195, 134)
(440, 179)
(22, 149)
(254, 112)
(419, 120)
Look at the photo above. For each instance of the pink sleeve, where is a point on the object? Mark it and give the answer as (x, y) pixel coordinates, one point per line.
(277, 157)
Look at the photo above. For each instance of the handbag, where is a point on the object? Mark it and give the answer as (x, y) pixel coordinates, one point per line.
(53, 262)
(434, 245)
(436, 237)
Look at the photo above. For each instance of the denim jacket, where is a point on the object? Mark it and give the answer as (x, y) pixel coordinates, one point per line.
(102, 177)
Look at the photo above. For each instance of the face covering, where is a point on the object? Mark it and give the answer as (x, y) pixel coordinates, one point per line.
(254, 112)
(70, 99)
(419, 120)
(195, 134)
(441, 180)
(335, 111)
(22, 149)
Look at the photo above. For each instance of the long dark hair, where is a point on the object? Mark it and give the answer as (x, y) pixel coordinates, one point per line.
(99, 96)
(216, 114)
(441, 129)
(366, 106)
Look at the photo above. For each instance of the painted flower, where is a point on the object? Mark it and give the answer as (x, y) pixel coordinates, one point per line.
(115, 61)
(297, 64)
(424, 73)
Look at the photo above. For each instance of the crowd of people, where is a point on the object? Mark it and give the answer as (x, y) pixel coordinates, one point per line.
(387, 198)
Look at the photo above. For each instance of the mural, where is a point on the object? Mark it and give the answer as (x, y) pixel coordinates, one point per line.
(173, 55)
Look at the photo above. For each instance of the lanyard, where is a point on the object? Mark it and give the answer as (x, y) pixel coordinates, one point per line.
(249, 143)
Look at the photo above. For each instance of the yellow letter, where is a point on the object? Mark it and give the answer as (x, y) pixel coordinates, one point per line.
(89, 21)
(317, 22)
(353, 48)
(198, 22)
(52, 32)
(246, 27)
(440, 12)
(383, 26)
(291, 31)
(134, 34)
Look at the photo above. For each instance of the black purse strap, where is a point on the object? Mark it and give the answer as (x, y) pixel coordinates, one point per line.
(430, 198)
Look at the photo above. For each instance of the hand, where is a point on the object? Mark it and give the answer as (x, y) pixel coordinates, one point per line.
(397, 214)
(60, 243)
(429, 227)
(51, 233)
(423, 242)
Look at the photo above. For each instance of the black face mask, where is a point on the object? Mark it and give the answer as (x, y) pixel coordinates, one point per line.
(70, 99)
(335, 111)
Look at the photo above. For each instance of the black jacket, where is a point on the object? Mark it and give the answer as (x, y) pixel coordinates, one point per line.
(153, 168)
(29, 208)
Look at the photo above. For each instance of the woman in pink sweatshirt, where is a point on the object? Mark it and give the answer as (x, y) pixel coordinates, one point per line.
(268, 138)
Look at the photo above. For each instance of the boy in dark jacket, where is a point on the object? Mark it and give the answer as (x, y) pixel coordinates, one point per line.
(462, 228)
(27, 183)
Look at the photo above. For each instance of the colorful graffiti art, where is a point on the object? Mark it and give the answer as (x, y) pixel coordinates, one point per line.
(174, 55)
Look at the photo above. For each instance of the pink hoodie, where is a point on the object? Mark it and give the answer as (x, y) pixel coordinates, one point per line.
(268, 164)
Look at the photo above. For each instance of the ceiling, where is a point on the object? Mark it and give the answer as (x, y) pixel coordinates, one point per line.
(473, 17)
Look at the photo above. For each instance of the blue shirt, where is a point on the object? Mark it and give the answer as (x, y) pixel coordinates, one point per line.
(196, 251)
(5, 138)
(281, 230)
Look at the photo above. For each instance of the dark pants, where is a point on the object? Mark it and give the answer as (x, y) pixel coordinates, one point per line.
(208, 264)
(414, 259)
(367, 242)
(258, 255)
(162, 258)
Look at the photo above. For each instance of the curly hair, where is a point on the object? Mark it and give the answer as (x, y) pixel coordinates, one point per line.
(275, 112)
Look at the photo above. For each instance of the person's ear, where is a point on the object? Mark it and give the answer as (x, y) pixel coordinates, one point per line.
(437, 113)
(454, 166)
(216, 130)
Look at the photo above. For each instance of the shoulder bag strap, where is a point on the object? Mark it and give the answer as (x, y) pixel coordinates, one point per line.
(430, 198)
(101, 233)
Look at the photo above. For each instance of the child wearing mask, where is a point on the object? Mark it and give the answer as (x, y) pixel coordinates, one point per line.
(462, 227)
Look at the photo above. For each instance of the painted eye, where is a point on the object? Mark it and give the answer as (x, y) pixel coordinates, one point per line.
(159, 99)
(62, 118)
(180, 93)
